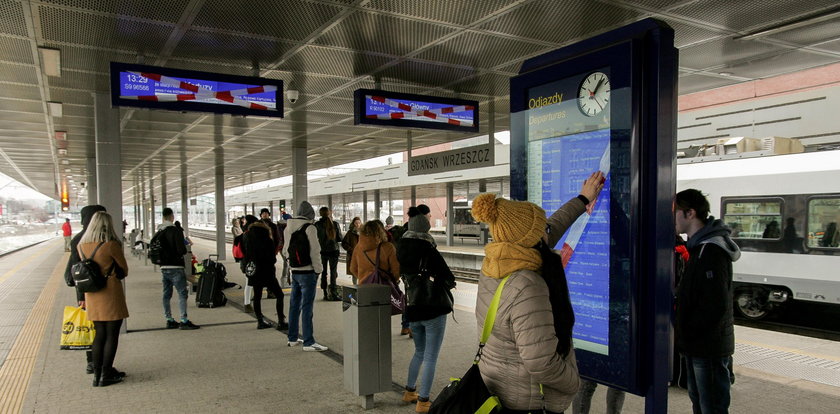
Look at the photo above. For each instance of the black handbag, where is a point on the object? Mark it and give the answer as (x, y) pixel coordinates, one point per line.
(469, 394)
(423, 290)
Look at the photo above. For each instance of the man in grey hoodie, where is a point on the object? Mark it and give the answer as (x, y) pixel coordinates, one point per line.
(704, 324)
(305, 271)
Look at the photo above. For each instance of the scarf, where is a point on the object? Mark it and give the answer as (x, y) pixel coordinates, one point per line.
(503, 258)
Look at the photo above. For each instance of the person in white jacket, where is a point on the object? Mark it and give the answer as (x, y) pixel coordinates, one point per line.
(305, 271)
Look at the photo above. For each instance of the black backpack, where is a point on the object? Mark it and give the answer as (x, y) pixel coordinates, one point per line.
(86, 273)
(156, 248)
(299, 248)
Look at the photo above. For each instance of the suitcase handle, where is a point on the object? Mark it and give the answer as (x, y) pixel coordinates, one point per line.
(210, 256)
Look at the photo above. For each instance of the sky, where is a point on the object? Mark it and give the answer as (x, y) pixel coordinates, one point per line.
(12, 189)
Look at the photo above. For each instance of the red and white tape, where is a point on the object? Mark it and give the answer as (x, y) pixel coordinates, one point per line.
(432, 115)
(200, 92)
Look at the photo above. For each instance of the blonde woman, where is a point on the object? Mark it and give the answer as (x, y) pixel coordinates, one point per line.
(105, 307)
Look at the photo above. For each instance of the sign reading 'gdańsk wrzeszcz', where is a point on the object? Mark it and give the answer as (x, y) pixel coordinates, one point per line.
(453, 160)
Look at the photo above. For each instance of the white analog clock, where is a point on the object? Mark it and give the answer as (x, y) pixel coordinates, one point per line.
(594, 93)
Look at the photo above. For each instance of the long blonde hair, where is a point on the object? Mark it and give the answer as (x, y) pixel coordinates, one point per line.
(100, 229)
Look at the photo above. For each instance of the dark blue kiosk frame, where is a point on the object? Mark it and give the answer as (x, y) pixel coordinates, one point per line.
(641, 121)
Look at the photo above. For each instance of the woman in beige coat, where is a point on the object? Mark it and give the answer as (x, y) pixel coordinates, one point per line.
(521, 353)
(105, 307)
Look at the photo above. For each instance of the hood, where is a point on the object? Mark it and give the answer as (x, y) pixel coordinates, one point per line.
(367, 243)
(502, 259)
(261, 229)
(88, 212)
(306, 210)
(164, 224)
(715, 232)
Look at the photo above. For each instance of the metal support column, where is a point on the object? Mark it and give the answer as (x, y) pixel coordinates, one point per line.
(219, 153)
(413, 196)
(152, 227)
(144, 214)
(299, 169)
(108, 158)
(163, 191)
(185, 200)
(329, 203)
(450, 214)
(91, 181)
(364, 207)
(377, 205)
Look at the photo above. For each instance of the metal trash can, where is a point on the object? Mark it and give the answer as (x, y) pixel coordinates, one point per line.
(367, 340)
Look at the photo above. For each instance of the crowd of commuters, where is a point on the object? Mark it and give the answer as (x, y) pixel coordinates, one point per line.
(529, 363)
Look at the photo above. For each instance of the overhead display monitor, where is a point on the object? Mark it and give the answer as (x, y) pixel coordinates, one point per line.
(184, 90)
(377, 107)
(579, 110)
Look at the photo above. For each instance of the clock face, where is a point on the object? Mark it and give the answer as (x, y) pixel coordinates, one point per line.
(594, 94)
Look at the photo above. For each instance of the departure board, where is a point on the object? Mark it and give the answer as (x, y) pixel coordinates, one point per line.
(557, 168)
(378, 107)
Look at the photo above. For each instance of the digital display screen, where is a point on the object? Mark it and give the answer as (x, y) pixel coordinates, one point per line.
(415, 111)
(147, 86)
(556, 169)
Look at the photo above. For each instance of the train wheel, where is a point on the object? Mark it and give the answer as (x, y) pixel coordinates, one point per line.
(751, 304)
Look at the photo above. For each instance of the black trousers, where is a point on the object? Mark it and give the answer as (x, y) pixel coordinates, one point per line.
(273, 286)
(105, 344)
(330, 259)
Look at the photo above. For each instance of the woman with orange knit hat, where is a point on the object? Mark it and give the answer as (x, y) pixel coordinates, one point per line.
(521, 357)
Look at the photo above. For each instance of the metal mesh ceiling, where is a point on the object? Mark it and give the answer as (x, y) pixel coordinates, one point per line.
(326, 50)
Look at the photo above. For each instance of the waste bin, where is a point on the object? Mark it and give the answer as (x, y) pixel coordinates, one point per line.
(367, 340)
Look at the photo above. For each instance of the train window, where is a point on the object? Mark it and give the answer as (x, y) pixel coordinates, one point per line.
(754, 219)
(823, 219)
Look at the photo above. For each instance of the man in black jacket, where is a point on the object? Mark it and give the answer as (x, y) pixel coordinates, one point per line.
(173, 249)
(87, 214)
(704, 321)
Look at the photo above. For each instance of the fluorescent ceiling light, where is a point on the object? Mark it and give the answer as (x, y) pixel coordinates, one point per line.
(56, 110)
(313, 155)
(50, 61)
(361, 141)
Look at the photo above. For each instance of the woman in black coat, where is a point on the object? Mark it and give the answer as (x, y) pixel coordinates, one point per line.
(426, 314)
(258, 248)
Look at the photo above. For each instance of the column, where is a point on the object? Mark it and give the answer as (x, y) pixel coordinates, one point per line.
(482, 188)
(377, 205)
(185, 200)
(219, 153)
(163, 191)
(413, 196)
(108, 158)
(144, 215)
(151, 208)
(299, 168)
(364, 206)
(91, 181)
(450, 214)
(330, 204)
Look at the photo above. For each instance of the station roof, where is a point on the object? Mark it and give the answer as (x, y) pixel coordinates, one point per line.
(326, 50)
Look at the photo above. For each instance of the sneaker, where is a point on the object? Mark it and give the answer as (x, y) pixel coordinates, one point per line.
(282, 326)
(172, 324)
(410, 396)
(423, 406)
(315, 347)
(296, 343)
(188, 326)
(261, 324)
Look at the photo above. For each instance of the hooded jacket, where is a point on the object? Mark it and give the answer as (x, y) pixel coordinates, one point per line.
(364, 256)
(173, 246)
(704, 319)
(292, 225)
(522, 353)
(257, 246)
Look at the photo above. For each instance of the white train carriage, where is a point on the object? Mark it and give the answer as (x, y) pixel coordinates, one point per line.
(784, 211)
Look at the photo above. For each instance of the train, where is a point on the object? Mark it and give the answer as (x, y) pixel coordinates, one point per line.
(784, 212)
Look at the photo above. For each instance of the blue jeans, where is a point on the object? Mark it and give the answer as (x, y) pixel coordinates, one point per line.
(178, 279)
(428, 337)
(708, 384)
(301, 305)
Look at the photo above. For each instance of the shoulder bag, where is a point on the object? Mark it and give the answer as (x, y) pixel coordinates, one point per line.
(469, 394)
(397, 296)
(422, 290)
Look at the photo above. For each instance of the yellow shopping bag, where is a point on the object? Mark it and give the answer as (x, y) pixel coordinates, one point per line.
(77, 331)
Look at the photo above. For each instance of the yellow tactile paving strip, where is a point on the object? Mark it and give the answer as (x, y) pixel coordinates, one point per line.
(17, 370)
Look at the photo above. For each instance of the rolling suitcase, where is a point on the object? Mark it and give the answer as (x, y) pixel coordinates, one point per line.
(210, 284)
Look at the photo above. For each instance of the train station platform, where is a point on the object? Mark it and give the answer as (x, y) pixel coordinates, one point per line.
(229, 366)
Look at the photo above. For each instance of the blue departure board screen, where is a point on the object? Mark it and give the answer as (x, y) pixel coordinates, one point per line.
(557, 167)
(147, 86)
(379, 107)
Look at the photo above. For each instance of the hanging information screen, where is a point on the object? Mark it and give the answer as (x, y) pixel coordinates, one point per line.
(377, 107)
(181, 90)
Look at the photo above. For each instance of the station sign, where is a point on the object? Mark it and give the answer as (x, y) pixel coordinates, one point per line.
(185, 90)
(384, 108)
(452, 160)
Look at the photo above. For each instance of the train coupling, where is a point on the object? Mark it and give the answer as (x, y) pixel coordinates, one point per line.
(778, 296)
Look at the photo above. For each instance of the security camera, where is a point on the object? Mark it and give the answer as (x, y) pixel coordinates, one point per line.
(292, 95)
